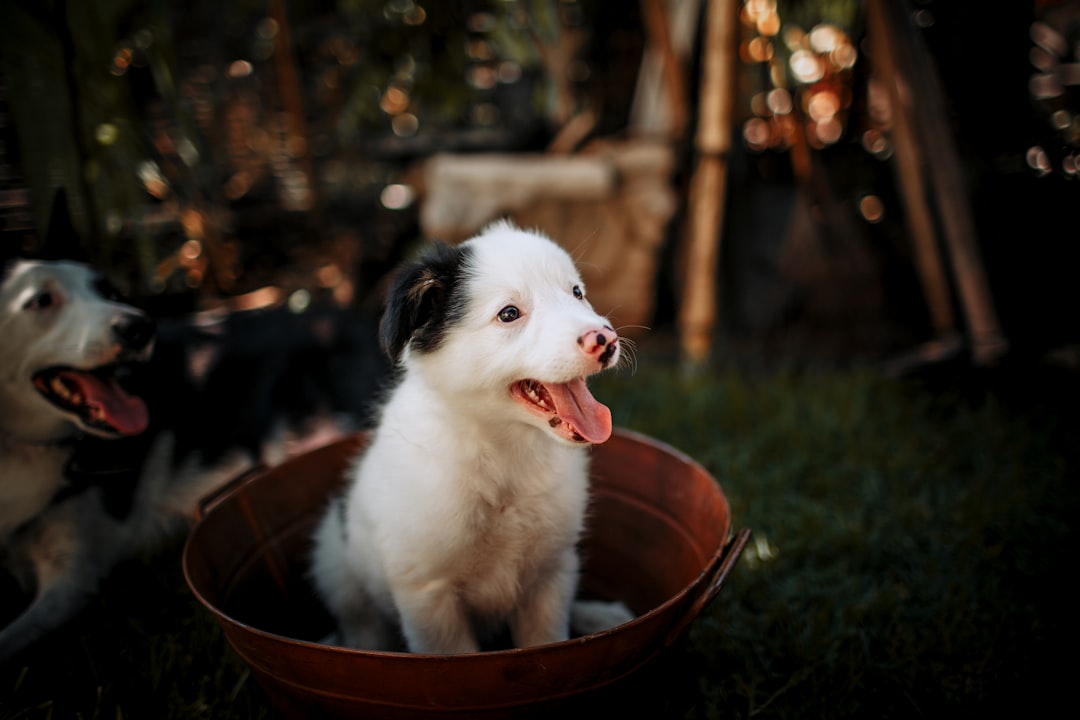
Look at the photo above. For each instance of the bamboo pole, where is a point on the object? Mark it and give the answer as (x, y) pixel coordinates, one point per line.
(292, 101)
(657, 29)
(698, 309)
(929, 265)
(914, 73)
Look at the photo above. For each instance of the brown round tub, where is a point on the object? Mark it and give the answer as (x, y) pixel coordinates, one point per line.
(657, 539)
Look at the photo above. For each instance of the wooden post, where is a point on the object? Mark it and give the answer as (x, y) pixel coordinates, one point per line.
(293, 105)
(908, 164)
(698, 309)
(912, 75)
(661, 49)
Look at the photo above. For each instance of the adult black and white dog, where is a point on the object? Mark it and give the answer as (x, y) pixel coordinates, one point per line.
(67, 340)
(464, 512)
(113, 426)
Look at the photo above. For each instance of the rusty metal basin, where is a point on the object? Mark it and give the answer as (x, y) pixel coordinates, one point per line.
(658, 539)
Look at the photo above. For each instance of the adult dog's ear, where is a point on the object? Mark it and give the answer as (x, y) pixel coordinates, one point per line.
(61, 239)
(424, 301)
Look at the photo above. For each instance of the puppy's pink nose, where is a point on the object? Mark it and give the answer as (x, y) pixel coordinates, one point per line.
(600, 343)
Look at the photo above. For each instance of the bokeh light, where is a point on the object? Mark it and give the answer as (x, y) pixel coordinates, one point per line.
(877, 144)
(299, 301)
(414, 16)
(509, 72)
(871, 208)
(482, 77)
(779, 101)
(395, 100)
(806, 67)
(759, 49)
(823, 106)
(240, 69)
(405, 125)
(825, 38)
(107, 134)
(757, 134)
(397, 196)
(1038, 160)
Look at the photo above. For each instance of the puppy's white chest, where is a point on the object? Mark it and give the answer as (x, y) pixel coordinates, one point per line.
(512, 543)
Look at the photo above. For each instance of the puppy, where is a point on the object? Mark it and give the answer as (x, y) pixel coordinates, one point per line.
(464, 511)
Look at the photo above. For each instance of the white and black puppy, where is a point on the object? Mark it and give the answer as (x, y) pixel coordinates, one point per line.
(464, 512)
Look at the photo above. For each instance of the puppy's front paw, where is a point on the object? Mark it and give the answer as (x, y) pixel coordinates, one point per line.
(592, 616)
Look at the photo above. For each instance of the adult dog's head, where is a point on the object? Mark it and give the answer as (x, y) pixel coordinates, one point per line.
(500, 326)
(67, 337)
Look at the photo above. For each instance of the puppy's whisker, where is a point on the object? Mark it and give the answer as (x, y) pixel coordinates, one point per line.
(627, 355)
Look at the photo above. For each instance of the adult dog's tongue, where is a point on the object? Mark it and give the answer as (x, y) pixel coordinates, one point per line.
(579, 410)
(124, 413)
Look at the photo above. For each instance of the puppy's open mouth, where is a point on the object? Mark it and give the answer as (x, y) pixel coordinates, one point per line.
(94, 398)
(569, 409)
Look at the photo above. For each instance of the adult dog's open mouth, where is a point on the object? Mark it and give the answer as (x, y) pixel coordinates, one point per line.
(95, 398)
(569, 408)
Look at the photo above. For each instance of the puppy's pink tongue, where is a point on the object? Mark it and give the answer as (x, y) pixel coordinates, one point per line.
(578, 409)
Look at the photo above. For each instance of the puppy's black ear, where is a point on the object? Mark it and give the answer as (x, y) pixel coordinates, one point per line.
(61, 240)
(425, 300)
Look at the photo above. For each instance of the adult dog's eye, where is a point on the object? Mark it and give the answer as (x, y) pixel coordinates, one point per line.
(41, 301)
(579, 293)
(509, 314)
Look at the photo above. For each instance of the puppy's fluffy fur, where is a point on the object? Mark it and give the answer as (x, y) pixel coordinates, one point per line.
(463, 513)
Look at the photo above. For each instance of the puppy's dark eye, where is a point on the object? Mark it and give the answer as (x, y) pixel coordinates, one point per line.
(41, 301)
(579, 293)
(509, 314)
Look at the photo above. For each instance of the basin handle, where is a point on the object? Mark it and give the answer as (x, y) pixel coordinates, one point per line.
(718, 570)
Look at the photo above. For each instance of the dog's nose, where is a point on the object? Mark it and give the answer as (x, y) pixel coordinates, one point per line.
(134, 330)
(600, 343)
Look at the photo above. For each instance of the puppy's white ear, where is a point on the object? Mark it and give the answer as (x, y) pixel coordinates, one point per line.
(424, 301)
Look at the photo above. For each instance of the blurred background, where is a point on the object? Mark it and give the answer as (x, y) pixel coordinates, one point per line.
(874, 198)
(817, 179)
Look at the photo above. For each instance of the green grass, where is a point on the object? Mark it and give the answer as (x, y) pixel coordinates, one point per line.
(909, 544)
(909, 558)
